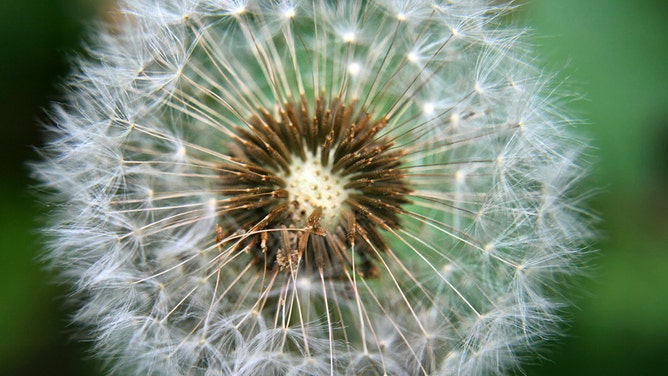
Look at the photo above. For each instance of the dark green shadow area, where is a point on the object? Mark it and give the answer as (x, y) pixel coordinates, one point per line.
(36, 38)
(33, 323)
(616, 52)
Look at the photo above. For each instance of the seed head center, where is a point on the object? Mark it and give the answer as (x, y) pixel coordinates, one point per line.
(312, 185)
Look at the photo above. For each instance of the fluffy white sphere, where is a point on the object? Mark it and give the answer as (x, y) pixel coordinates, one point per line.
(457, 217)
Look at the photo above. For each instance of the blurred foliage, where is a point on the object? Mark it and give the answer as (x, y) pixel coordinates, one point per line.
(617, 54)
(614, 52)
(37, 37)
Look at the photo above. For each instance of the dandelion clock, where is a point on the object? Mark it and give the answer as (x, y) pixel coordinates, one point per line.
(313, 188)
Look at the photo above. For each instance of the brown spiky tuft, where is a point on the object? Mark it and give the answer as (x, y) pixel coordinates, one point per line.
(307, 188)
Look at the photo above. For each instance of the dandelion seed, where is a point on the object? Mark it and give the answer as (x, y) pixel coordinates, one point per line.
(303, 188)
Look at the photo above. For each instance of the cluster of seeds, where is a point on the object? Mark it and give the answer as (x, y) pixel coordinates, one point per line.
(309, 184)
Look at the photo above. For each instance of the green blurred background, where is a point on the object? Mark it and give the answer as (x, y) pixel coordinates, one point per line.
(615, 52)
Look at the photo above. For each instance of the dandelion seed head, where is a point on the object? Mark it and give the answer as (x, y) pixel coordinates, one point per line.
(349, 36)
(354, 68)
(428, 108)
(289, 13)
(314, 187)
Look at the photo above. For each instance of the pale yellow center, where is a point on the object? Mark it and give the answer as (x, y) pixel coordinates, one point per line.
(311, 185)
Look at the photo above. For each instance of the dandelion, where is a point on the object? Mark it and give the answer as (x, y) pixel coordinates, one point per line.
(313, 187)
